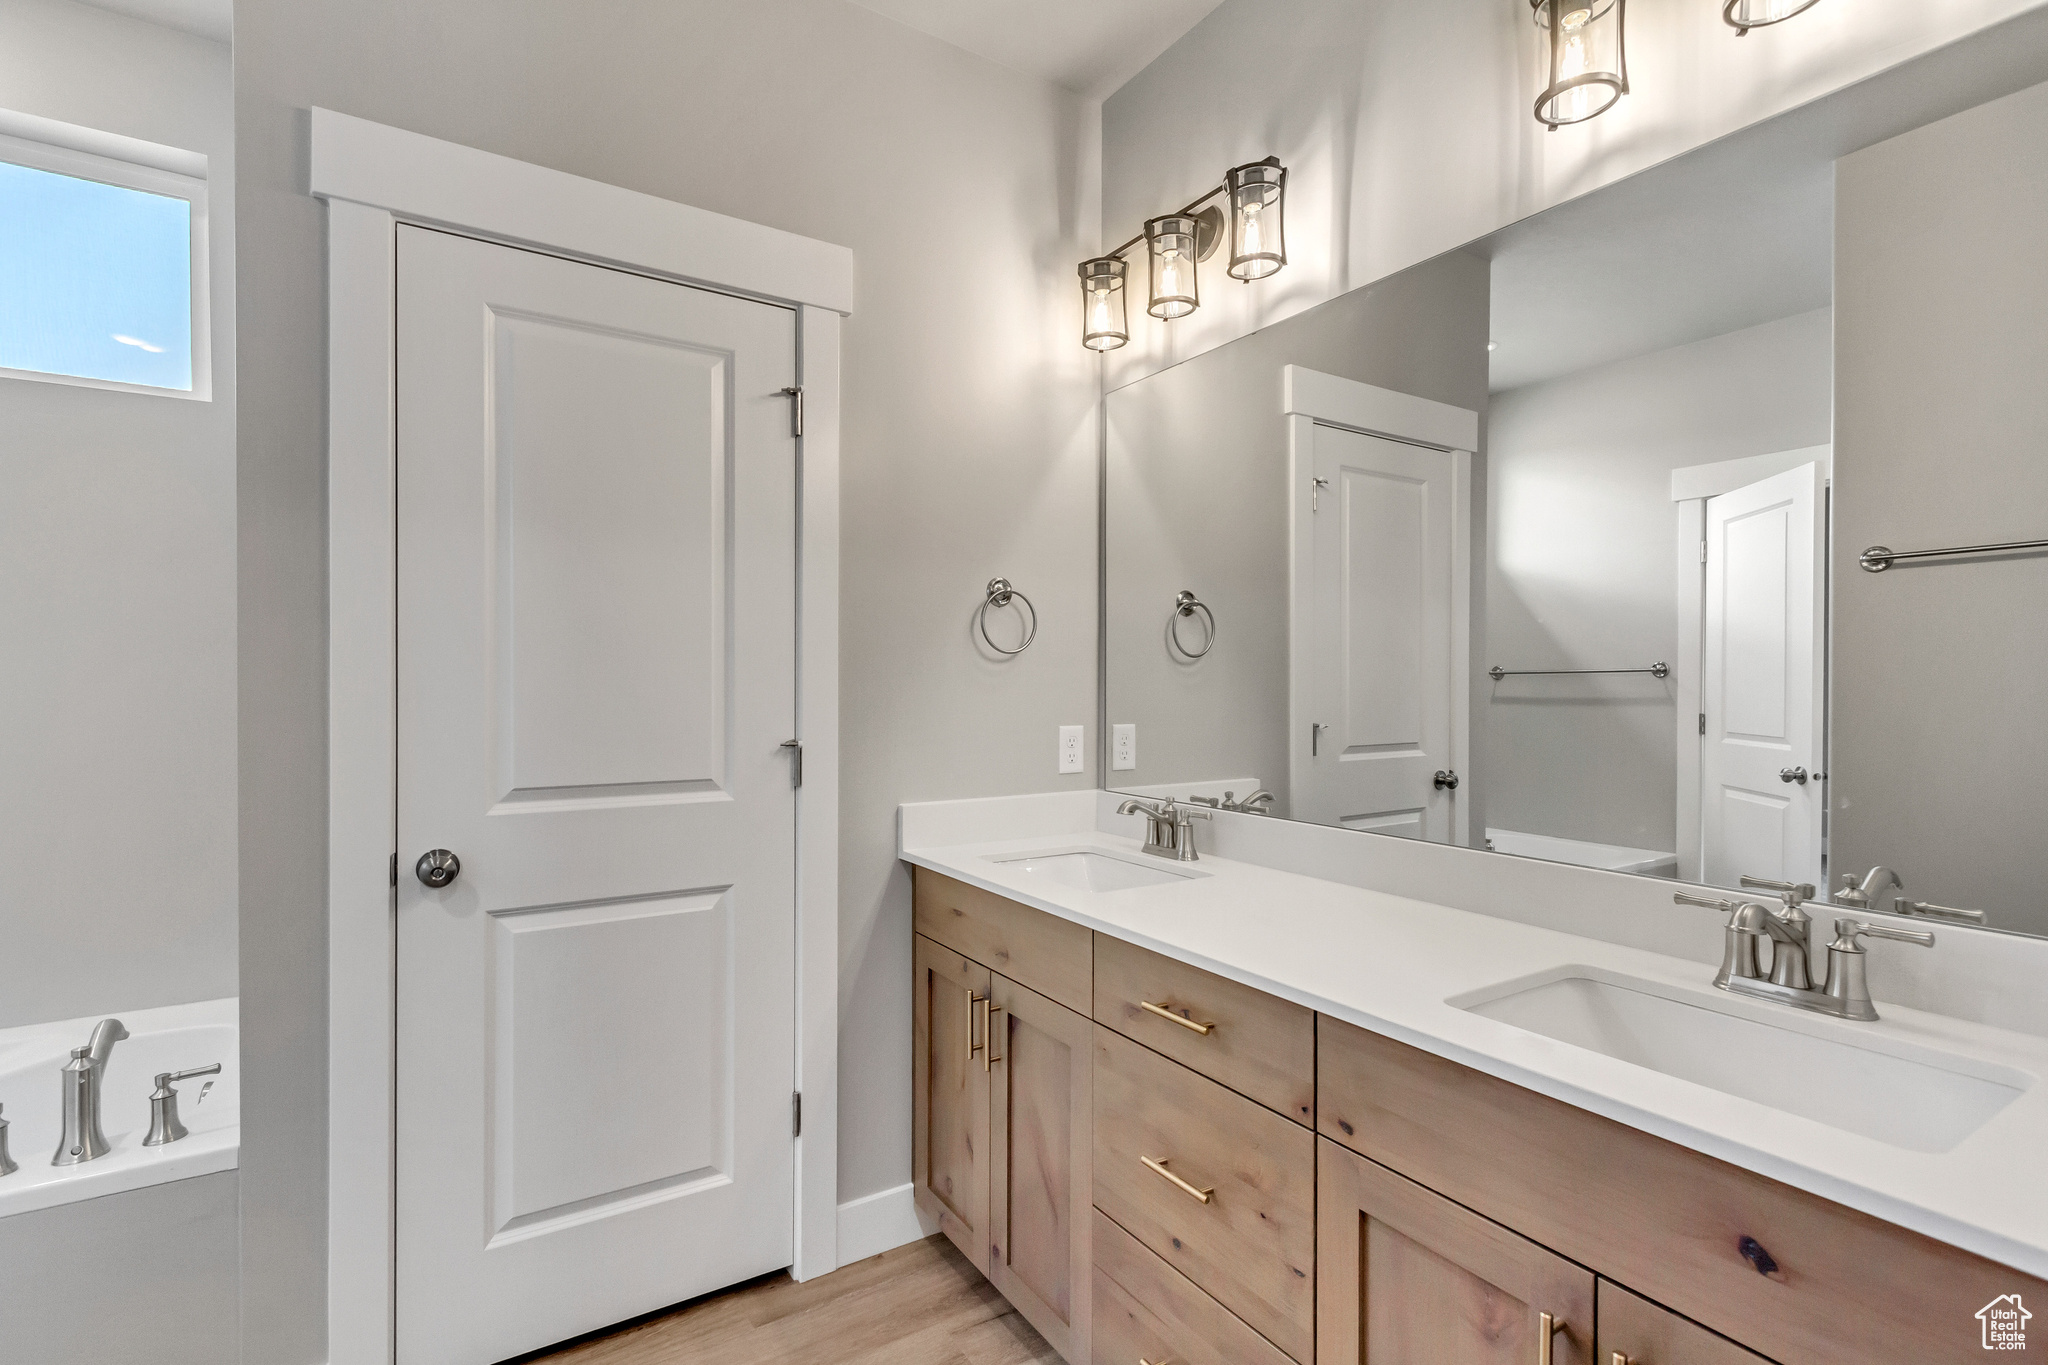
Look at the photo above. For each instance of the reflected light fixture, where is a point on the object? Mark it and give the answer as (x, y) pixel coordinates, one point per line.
(1104, 324)
(1585, 61)
(1176, 243)
(1744, 15)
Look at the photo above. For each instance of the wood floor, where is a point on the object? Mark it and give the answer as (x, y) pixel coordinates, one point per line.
(920, 1304)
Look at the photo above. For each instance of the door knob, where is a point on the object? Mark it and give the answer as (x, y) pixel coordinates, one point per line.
(1446, 780)
(1792, 775)
(437, 867)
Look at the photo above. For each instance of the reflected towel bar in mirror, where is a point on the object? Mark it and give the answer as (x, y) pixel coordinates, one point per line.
(1660, 669)
(1185, 605)
(1878, 558)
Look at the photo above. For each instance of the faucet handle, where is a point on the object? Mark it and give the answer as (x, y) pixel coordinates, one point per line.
(1704, 902)
(166, 1079)
(1847, 931)
(1902, 906)
(1795, 893)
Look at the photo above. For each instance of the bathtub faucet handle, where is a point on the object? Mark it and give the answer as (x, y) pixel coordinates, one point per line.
(163, 1105)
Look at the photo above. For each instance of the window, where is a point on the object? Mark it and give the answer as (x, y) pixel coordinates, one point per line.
(102, 270)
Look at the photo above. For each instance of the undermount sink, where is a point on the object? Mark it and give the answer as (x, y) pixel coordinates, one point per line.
(1909, 1097)
(1086, 871)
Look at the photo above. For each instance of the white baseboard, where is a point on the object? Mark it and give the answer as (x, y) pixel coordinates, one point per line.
(878, 1223)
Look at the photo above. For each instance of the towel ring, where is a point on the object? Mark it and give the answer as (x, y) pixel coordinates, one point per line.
(1000, 594)
(1187, 604)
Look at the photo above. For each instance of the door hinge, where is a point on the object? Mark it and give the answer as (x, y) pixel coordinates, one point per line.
(795, 394)
(796, 1114)
(1703, 722)
(796, 761)
(1315, 494)
(1703, 552)
(394, 868)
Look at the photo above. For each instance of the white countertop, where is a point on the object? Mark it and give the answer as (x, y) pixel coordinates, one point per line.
(1390, 963)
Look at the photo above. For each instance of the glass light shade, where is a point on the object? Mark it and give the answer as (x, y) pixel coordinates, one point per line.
(1258, 202)
(1170, 241)
(1744, 15)
(1104, 326)
(1585, 61)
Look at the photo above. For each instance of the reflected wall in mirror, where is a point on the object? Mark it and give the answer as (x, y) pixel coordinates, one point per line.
(1552, 545)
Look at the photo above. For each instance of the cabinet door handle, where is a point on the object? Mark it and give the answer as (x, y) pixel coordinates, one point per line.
(989, 1011)
(1164, 1013)
(1157, 1165)
(1620, 1359)
(974, 998)
(1547, 1328)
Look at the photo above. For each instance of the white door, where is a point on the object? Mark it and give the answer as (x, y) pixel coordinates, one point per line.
(1761, 681)
(596, 652)
(1381, 657)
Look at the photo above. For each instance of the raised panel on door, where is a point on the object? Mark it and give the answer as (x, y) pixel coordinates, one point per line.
(1406, 1277)
(949, 1098)
(1382, 656)
(1039, 1186)
(596, 610)
(1762, 672)
(1634, 1331)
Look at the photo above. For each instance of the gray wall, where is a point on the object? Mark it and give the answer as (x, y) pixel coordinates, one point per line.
(1580, 564)
(1197, 498)
(1940, 759)
(967, 194)
(117, 609)
(144, 1276)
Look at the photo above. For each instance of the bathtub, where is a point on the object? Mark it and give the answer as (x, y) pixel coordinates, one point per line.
(170, 1038)
(1614, 857)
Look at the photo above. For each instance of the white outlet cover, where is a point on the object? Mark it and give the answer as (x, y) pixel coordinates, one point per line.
(1123, 747)
(1070, 748)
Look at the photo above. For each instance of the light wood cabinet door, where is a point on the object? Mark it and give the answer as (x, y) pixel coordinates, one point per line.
(949, 1098)
(1634, 1331)
(1038, 1054)
(1406, 1277)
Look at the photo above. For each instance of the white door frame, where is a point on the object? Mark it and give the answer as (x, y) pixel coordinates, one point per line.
(1309, 398)
(1691, 486)
(373, 178)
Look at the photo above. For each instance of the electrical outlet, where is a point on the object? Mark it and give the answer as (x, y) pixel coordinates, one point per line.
(1123, 747)
(1070, 748)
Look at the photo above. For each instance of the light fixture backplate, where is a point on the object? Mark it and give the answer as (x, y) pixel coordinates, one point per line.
(1208, 232)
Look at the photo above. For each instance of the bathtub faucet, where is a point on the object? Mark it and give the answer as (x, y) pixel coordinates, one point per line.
(83, 1140)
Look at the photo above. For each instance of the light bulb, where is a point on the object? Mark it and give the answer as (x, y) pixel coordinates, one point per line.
(1169, 273)
(1254, 230)
(1573, 61)
(1098, 311)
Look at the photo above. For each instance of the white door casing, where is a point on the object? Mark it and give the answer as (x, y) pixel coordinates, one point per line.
(373, 178)
(597, 484)
(1379, 613)
(1762, 680)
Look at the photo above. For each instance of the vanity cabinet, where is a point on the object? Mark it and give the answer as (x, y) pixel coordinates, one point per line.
(1001, 1097)
(1634, 1331)
(1155, 1163)
(1408, 1276)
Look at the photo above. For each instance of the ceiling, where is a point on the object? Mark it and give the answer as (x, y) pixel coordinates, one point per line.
(1089, 46)
(213, 19)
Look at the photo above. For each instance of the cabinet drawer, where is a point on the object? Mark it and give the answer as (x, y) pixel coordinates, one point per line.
(1147, 1310)
(1251, 1245)
(1634, 1331)
(1052, 956)
(1842, 1288)
(1257, 1044)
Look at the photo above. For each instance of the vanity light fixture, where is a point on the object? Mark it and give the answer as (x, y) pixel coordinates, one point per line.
(1176, 243)
(1744, 15)
(1585, 59)
(1104, 323)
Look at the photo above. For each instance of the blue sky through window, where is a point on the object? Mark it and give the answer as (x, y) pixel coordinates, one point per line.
(95, 280)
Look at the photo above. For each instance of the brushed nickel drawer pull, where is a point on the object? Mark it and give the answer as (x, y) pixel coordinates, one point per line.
(1547, 1328)
(1164, 1013)
(1158, 1167)
(974, 998)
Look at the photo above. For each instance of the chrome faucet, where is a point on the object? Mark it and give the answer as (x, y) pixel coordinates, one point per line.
(1846, 991)
(83, 1139)
(1161, 820)
(1184, 833)
(1790, 929)
(7, 1166)
(1252, 805)
(1875, 883)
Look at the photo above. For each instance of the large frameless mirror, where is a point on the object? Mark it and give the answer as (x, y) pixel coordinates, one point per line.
(1692, 528)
